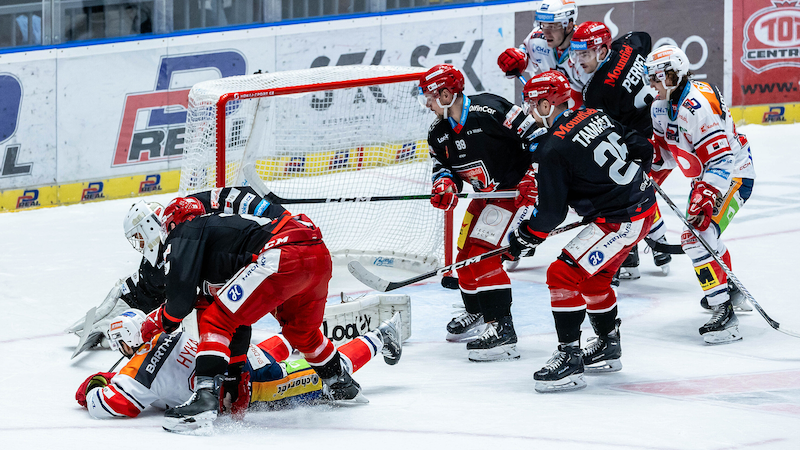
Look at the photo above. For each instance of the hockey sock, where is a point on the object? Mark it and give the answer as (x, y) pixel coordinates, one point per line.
(331, 368)
(471, 302)
(603, 323)
(277, 346)
(568, 324)
(361, 350)
(495, 304)
(210, 366)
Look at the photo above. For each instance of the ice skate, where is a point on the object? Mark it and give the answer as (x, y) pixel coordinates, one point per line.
(563, 372)
(661, 259)
(738, 300)
(630, 267)
(198, 413)
(465, 327)
(497, 343)
(392, 341)
(602, 353)
(723, 327)
(342, 389)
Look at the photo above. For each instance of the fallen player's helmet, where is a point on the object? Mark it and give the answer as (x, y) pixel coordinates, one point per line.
(557, 11)
(143, 228)
(127, 328)
(179, 210)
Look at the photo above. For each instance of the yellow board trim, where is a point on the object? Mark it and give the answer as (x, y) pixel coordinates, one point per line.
(766, 114)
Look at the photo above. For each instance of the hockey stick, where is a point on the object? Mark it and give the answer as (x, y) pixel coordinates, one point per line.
(719, 261)
(87, 328)
(261, 188)
(381, 285)
(117, 363)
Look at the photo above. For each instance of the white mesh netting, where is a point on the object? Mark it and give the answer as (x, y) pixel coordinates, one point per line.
(358, 141)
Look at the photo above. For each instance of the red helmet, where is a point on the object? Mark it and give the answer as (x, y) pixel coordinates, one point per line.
(179, 210)
(441, 76)
(552, 86)
(590, 36)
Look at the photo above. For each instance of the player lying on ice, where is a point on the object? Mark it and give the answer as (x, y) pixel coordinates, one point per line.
(161, 369)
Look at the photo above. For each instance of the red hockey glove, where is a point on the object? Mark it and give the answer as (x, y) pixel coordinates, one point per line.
(443, 195)
(522, 242)
(701, 205)
(100, 379)
(156, 322)
(528, 190)
(513, 62)
(235, 395)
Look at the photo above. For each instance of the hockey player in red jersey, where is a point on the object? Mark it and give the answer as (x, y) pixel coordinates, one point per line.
(160, 372)
(547, 47)
(482, 140)
(249, 266)
(591, 163)
(618, 87)
(692, 126)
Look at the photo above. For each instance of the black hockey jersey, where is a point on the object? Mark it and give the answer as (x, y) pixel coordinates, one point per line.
(595, 165)
(618, 86)
(488, 148)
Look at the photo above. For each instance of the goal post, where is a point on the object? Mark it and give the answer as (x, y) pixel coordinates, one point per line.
(329, 132)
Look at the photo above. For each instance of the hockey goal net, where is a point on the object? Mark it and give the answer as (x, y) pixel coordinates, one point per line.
(331, 132)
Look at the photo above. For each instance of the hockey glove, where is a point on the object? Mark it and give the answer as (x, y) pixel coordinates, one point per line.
(443, 195)
(513, 62)
(235, 395)
(521, 242)
(156, 322)
(701, 205)
(528, 190)
(100, 379)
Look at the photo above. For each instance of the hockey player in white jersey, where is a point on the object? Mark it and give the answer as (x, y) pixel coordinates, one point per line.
(693, 129)
(547, 47)
(160, 372)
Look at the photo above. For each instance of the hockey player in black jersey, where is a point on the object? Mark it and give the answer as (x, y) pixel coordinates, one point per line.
(482, 140)
(593, 164)
(618, 87)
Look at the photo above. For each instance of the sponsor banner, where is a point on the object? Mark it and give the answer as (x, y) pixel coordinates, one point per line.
(766, 52)
(696, 27)
(122, 107)
(89, 191)
(767, 114)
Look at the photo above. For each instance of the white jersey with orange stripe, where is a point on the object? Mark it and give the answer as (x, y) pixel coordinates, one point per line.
(698, 135)
(542, 58)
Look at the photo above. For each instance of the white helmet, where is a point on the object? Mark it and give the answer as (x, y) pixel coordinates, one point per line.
(664, 59)
(557, 11)
(142, 227)
(127, 327)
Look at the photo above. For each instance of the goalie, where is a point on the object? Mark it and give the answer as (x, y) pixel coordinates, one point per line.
(161, 369)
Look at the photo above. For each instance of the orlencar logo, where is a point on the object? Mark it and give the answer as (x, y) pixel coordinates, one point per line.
(772, 37)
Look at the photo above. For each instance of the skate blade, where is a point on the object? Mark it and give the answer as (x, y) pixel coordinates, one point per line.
(199, 425)
(570, 383)
(629, 273)
(665, 269)
(355, 401)
(607, 366)
(467, 336)
(725, 336)
(741, 304)
(499, 353)
(511, 265)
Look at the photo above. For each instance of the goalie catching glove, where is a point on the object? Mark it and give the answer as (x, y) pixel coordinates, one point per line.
(522, 242)
(443, 195)
(100, 379)
(701, 205)
(513, 62)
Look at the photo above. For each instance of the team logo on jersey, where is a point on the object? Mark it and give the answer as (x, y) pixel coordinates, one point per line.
(477, 175)
(596, 258)
(93, 192)
(235, 293)
(672, 132)
(772, 37)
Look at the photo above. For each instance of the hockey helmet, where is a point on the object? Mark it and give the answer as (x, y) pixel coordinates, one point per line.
(179, 210)
(590, 36)
(142, 227)
(557, 11)
(438, 77)
(127, 328)
(552, 86)
(664, 59)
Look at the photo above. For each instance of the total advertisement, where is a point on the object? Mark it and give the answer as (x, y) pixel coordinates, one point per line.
(107, 121)
(766, 60)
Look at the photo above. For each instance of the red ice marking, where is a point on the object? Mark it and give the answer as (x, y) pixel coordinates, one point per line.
(30, 338)
(762, 235)
(720, 385)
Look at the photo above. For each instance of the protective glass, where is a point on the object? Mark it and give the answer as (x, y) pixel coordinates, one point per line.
(426, 98)
(551, 26)
(578, 56)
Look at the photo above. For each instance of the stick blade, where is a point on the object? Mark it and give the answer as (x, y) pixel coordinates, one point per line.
(368, 278)
(87, 328)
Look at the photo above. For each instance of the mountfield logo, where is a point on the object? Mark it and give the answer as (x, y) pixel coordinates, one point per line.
(153, 123)
(772, 37)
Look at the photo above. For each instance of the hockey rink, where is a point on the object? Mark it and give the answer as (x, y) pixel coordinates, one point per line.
(674, 392)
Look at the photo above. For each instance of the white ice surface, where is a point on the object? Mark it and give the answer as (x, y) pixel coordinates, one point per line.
(57, 263)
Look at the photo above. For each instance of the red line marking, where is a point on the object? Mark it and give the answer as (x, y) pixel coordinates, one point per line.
(718, 385)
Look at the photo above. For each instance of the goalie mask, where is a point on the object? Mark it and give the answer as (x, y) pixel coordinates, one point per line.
(179, 210)
(143, 229)
(127, 328)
